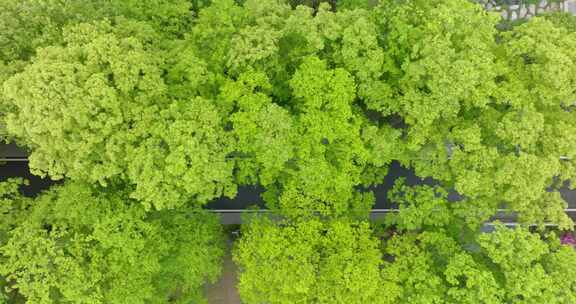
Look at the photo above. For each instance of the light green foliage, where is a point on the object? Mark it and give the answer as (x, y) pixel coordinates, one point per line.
(536, 85)
(336, 5)
(438, 56)
(86, 91)
(541, 65)
(210, 37)
(431, 267)
(171, 17)
(487, 113)
(324, 171)
(419, 207)
(121, 107)
(294, 117)
(185, 106)
(26, 25)
(181, 156)
(108, 115)
(182, 101)
(308, 262)
(355, 4)
(360, 53)
(565, 20)
(12, 206)
(29, 24)
(196, 243)
(510, 266)
(426, 207)
(264, 130)
(533, 270)
(75, 244)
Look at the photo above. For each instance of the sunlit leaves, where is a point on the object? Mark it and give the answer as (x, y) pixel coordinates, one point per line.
(73, 97)
(77, 244)
(527, 264)
(438, 57)
(419, 206)
(182, 156)
(329, 157)
(507, 266)
(432, 268)
(180, 102)
(104, 113)
(309, 261)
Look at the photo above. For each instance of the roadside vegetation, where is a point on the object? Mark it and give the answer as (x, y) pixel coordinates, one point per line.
(147, 110)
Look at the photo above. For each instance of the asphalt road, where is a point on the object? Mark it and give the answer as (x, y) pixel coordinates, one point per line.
(224, 290)
(246, 197)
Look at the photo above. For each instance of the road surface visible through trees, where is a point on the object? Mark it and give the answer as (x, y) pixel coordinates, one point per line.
(249, 196)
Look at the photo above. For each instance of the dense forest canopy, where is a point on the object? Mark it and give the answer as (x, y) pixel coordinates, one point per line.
(79, 244)
(148, 110)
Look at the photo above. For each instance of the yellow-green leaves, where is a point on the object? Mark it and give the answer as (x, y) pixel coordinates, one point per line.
(79, 244)
(181, 157)
(439, 58)
(529, 266)
(13, 206)
(74, 100)
(480, 105)
(97, 108)
(159, 105)
(308, 262)
(419, 207)
(329, 155)
(506, 266)
(542, 62)
(319, 88)
(431, 267)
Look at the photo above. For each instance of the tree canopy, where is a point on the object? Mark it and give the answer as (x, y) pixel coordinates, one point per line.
(308, 262)
(311, 103)
(74, 244)
(507, 266)
(149, 110)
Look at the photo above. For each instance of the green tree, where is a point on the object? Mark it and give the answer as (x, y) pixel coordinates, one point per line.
(431, 267)
(422, 207)
(275, 81)
(29, 24)
(308, 262)
(78, 244)
(492, 123)
(13, 210)
(110, 117)
(330, 155)
(534, 270)
(562, 19)
(507, 266)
